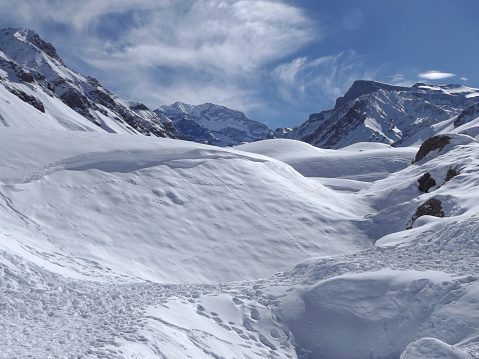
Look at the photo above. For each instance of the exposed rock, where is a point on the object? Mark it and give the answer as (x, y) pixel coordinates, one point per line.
(25, 76)
(434, 143)
(102, 98)
(469, 114)
(139, 107)
(432, 207)
(46, 47)
(75, 100)
(31, 100)
(451, 173)
(426, 182)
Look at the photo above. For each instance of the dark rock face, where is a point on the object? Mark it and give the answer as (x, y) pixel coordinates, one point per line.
(193, 131)
(432, 207)
(332, 129)
(139, 107)
(75, 100)
(33, 101)
(451, 173)
(470, 113)
(431, 144)
(426, 182)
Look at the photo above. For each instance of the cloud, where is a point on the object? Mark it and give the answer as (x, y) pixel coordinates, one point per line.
(435, 75)
(159, 51)
(322, 79)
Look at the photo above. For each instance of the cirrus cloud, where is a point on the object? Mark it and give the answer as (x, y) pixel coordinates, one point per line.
(206, 48)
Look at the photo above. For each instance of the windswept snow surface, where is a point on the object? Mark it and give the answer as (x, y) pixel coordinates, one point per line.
(164, 210)
(116, 246)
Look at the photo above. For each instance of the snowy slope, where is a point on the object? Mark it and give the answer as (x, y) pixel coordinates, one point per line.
(123, 249)
(166, 210)
(214, 124)
(39, 91)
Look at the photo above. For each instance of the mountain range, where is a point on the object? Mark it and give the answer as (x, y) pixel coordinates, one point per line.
(119, 240)
(396, 115)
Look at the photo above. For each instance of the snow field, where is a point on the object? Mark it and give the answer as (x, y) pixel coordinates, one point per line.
(167, 211)
(104, 236)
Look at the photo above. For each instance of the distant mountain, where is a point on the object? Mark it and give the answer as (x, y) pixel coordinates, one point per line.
(396, 115)
(214, 124)
(40, 91)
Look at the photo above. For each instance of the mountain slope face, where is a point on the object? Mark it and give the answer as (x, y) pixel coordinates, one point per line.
(40, 91)
(214, 124)
(375, 112)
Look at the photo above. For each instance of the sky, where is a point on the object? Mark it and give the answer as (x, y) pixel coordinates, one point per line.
(276, 60)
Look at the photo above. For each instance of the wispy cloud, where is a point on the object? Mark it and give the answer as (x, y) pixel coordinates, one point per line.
(435, 75)
(325, 77)
(210, 49)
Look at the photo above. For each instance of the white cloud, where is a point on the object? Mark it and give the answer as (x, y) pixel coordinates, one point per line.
(464, 79)
(210, 49)
(325, 77)
(435, 75)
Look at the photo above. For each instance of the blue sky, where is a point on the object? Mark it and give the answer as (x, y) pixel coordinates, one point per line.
(276, 60)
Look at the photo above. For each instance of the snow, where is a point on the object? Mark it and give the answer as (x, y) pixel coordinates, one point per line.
(117, 245)
(365, 162)
(432, 348)
(141, 207)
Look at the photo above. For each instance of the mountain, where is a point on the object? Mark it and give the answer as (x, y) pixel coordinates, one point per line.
(214, 124)
(40, 91)
(396, 115)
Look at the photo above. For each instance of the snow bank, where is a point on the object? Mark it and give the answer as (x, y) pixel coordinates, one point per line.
(378, 314)
(426, 348)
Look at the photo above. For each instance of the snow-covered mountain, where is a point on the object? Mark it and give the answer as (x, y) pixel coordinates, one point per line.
(39, 91)
(396, 115)
(214, 124)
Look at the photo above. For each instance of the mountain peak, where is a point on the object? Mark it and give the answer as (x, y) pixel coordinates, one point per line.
(30, 37)
(364, 87)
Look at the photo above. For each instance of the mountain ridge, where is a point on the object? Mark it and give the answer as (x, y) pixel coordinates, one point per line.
(32, 70)
(214, 124)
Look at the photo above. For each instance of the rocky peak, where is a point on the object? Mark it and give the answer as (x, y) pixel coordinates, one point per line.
(10, 35)
(364, 87)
